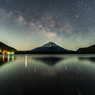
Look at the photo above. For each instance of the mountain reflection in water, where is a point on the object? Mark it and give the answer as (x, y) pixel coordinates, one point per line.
(91, 59)
(30, 74)
(49, 60)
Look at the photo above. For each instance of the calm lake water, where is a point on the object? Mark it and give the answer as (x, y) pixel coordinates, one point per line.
(47, 74)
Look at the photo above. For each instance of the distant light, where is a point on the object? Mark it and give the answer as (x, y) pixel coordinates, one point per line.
(0, 50)
(10, 52)
(76, 16)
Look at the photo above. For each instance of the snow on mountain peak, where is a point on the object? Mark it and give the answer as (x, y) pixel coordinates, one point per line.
(50, 44)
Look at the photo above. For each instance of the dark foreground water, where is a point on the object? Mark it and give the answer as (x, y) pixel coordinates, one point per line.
(47, 75)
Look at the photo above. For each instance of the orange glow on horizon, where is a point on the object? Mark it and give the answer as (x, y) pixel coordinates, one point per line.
(5, 51)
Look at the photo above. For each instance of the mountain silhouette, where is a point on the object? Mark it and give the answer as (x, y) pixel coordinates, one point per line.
(50, 47)
(6, 47)
(90, 49)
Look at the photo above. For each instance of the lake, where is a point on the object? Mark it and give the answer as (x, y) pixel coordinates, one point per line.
(47, 74)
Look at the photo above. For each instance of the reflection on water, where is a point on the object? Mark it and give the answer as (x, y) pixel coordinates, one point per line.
(26, 61)
(49, 60)
(30, 74)
(5, 59)
(91, 59)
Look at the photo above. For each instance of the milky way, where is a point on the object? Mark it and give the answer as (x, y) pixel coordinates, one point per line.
(26, 24)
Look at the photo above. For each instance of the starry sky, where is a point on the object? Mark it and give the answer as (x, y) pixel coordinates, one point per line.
(27, 24)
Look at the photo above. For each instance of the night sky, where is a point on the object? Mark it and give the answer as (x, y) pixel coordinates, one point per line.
(27, 24)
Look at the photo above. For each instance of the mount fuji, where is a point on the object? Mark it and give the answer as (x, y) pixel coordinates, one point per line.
(50, 47)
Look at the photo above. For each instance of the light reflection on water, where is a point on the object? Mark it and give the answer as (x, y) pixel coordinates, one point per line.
(4, 58)
(26, 61)
(47, 74)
